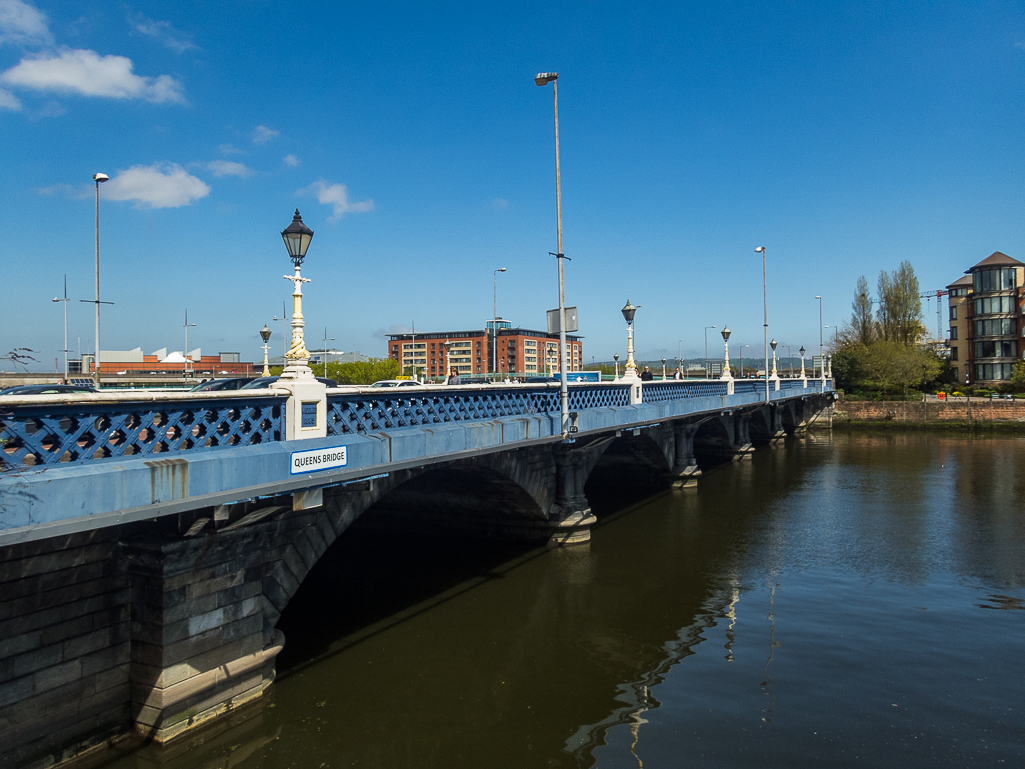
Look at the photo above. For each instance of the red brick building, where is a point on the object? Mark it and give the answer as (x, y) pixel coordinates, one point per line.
(520, 352)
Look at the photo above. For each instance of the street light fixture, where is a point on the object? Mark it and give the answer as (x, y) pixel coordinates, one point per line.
(775, 376)
(297, 237)
(740, 353)
(542, 79)
(615, 357)
(630, 372)
(188, 325)
(821, 365)
(663, 369)
(326, 340)
(65, 351)
(99, 179)
(765, 323)
(726, 375)
(802, 351)
(494, 317)
(284, 332)
(265, 335)
(706, 352)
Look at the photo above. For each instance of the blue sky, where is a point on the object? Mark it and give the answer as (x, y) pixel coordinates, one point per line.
(843, 137)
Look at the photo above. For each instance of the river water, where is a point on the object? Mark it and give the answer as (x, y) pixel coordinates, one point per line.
(838, 601)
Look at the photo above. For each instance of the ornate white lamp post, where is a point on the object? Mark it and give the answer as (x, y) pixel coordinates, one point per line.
(297, 237)
(726, 374)
(615, 357)
(630, 372)
(663, 369)
(829, 361)
(804, 377)
(775, 374)
(265, 335)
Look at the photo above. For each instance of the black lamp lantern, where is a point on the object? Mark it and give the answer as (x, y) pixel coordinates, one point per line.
(801, 351)
(629, 311)
(297, 237)
(725, 333)
(772, 344)
(265, 334)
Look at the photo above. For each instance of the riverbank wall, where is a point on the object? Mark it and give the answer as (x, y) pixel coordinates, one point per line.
(978, 413)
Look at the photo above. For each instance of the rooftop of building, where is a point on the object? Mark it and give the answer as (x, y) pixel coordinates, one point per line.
(964, 282)
(996, 259)
(477, 332)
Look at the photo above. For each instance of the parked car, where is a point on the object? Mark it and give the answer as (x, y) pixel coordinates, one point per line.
(397, 383)
(268, 381)
(212, 385)
(46, 389)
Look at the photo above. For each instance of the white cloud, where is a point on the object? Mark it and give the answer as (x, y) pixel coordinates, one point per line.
(177, 41)
(9, 101)
(21, 23)
(230, 149)
(229, 168)
(291, 160)
(87, 73)
(161, 185)
(499, 203)
(263, 134)
(337, 196)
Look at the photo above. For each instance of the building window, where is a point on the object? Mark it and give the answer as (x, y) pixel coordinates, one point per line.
(953, 313)
(994, 327)
(992, 305)
(993, 371)
(953, 332)
(1001, 279)
(996, 349)
(953, 353)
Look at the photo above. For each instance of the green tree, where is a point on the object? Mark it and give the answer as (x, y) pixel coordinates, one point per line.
(891, 367)
(900, 306)
(862, 326)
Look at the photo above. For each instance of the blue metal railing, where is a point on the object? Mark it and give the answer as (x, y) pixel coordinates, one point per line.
(36, 432)
(363, 412)
(33, 434)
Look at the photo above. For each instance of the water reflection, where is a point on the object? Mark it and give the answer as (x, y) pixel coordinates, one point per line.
(796, 609)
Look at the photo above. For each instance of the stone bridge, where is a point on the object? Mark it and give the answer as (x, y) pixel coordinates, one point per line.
(148, 547)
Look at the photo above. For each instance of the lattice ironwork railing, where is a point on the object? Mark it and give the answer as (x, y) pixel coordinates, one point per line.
(350, 413)
(51, 433)
(658, 392)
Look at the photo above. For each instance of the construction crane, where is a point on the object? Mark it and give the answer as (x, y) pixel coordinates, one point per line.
(928, 295)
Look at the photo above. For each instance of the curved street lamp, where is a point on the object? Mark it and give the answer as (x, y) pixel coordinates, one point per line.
(765, 323)
(99, 179)
(706, 351)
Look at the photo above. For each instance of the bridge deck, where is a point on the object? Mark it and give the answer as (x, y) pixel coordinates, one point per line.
(73, 465)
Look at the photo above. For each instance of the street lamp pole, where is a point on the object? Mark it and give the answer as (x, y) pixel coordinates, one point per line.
(99, 179)
(297, 237)
(765, 323)
(65, 300)
(186, 350)
(821, 364)
(726, 375)
(494, 315)
(265, 335)
(543, 79)
(630, 371)
(284, 332)
(740, 352)
(706, 352)
(325, 351)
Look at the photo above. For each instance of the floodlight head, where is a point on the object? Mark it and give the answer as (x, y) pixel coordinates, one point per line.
(100, 178)
(500, 269)
(544, 78)
(760, 250)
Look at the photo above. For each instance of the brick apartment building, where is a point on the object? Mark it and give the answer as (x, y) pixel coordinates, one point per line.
(520, 352)
(987, 320)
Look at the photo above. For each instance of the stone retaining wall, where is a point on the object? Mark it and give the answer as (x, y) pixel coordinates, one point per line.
(931, 411)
